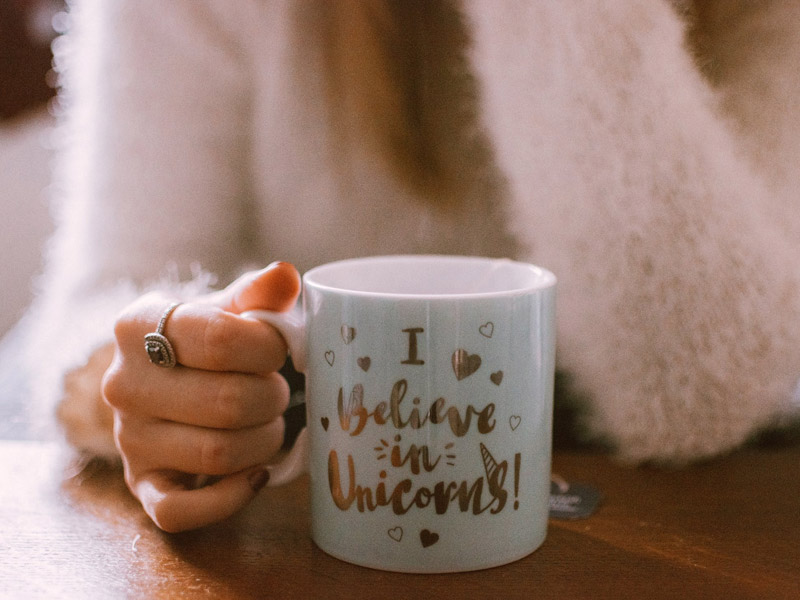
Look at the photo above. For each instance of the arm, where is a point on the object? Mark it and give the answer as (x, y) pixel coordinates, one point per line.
(150, 182)
(679, 314)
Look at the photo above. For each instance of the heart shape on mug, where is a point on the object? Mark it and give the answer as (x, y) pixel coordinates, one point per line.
(364, 362)
(487, 329)
(325, 422)
(428, 538)
(514, 422)
(496, 377)
(348, 334)
(330, 357)
(396, 533)
(465, 364)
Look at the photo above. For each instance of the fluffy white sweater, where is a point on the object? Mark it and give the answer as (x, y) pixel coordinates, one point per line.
(582, 136)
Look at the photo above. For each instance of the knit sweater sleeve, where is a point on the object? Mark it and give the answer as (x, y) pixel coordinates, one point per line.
(150, 187)
(678, 307)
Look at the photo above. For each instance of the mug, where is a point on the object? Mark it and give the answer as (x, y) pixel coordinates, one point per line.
(429, 400)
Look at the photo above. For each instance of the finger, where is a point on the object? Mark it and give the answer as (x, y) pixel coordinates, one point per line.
(274, 288)
(200, 398)
(203, 337)
(174, 508)
(159, 445)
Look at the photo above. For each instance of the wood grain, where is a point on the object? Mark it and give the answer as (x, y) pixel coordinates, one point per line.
(727, 529)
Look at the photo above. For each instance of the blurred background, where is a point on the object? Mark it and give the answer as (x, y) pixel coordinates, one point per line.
(27, 86)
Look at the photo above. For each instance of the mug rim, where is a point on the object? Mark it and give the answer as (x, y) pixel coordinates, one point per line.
(541, 278)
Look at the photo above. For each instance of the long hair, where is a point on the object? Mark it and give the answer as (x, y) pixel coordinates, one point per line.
(398, 80)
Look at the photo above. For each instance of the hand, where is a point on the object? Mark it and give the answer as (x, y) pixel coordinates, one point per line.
(217, 413)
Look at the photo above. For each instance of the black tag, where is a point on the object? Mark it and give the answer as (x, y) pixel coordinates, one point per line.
(571, 501)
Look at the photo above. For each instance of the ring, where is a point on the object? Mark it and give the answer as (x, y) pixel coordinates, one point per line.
(158, 348)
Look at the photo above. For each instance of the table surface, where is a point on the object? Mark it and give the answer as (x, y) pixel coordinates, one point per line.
(725, 529)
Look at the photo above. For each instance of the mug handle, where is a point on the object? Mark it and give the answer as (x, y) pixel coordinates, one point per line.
(291, 325)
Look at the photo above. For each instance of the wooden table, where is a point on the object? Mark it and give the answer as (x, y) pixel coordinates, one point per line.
(726, 529)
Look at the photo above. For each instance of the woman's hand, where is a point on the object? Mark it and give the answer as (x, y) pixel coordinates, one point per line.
(217, 413)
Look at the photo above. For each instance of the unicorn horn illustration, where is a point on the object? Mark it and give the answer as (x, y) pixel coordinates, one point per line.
(495, 473)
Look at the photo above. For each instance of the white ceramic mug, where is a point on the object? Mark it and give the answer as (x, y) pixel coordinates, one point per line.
(429, 387)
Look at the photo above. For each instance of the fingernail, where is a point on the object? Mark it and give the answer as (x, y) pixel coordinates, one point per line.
(258, 479)
(278, 264)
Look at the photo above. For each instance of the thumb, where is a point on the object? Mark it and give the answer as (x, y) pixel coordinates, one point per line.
(275, 288)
